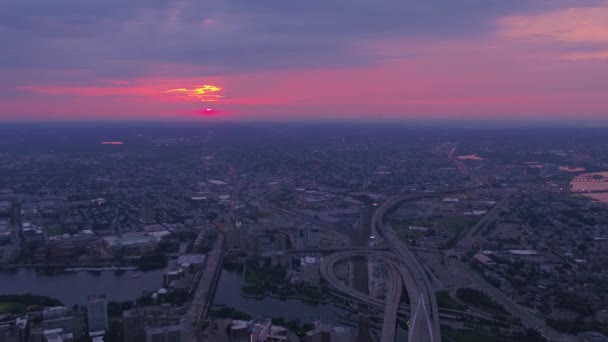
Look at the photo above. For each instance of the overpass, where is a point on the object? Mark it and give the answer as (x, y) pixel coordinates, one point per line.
(390, 306)
(424, 322)
(424, 312)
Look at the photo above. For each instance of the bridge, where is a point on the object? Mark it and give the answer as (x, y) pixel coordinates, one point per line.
(590, 179)
(203, 297)
(590, 191)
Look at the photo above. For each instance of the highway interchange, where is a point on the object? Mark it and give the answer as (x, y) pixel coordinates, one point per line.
(424, 313)
(424, 324)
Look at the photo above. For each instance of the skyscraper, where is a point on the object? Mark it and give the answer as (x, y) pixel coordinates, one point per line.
(97, 310)
(309, 237)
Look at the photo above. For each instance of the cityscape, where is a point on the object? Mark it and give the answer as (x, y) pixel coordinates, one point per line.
(303, 171)
(288, 233)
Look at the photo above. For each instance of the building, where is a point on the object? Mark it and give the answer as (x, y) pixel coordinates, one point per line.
(56, 335)
(592, 336)
(342, 334)
(133, 326)
(98, 336)
(97, 314)
(132, 242)
(164, 333)
(533, 171)
(239, 331)
(323, 332)
(236, 238)
(64, 320)
(14, 331)
(309, 237)
(147, 211)
(260, 330)
(549, 169)
(309, 270)
(139, 321)
(483, 259)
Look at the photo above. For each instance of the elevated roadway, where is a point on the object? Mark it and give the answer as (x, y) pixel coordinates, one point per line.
(393, 296)
(424, 312)
(203, 297)
(424, 322)
(399, 274)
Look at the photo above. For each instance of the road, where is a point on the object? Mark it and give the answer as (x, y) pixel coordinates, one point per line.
(203, 297)
(393, 296)
(528, 319)
(390, 306)
(424, 319)
(400, 274)
(327, 271)
(466, 243)
(424, 322)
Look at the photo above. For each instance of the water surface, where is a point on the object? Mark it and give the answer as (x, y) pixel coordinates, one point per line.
(74, 287)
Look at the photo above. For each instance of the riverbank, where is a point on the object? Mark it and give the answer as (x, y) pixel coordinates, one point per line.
(86, 266)
(64, 265)
(17, 304)
(287, 297)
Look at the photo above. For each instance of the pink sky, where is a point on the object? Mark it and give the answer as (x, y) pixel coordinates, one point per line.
(544, 62)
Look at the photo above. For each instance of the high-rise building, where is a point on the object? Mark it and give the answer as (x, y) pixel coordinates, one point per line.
(133, 326)
(97, 311)
(309, 237)
(236, 238)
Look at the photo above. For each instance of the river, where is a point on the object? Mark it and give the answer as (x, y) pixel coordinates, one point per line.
(597, 181)
(74, 287)
(228, 293)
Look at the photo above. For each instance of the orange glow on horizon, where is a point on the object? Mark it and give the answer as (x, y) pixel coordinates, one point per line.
(142, 89)
(201, 93)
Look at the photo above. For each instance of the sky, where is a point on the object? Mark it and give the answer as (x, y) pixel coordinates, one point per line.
(304, 60)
